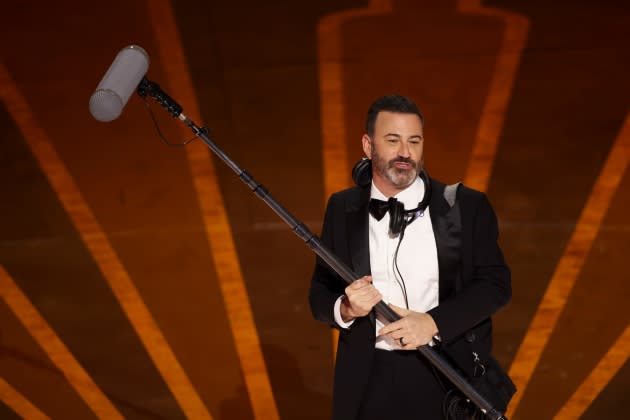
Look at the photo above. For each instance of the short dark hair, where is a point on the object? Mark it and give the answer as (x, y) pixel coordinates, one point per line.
(391, 103)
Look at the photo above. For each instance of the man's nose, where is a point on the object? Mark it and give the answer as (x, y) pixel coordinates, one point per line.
(403, 150)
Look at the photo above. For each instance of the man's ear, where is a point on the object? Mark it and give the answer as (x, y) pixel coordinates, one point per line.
(367, 146)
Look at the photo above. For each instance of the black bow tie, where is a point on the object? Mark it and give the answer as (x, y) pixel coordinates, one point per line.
(378, 208)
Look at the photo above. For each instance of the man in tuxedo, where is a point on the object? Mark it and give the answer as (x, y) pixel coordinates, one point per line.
(397, 232)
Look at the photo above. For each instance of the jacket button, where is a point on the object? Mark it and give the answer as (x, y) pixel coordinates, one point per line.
(471, 337)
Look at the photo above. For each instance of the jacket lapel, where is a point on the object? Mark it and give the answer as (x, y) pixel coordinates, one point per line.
(358, 234)
(446, 223)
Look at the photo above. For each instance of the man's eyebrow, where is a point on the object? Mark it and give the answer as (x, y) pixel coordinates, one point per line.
(416, 136)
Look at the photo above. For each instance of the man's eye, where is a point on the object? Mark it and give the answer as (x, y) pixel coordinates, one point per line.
(392, 140)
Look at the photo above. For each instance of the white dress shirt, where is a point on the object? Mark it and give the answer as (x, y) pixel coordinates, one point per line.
(417, 261)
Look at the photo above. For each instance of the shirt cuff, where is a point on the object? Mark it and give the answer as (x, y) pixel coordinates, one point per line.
(337, 314)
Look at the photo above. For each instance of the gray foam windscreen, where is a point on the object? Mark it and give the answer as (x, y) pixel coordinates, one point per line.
(120, 81)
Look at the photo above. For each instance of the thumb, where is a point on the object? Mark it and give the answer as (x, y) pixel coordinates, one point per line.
(400, 311)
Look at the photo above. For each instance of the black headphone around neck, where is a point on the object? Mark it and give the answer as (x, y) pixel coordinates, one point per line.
(399, 218)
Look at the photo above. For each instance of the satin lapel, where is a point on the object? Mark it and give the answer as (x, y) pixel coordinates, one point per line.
(446, 223)
(358, 235)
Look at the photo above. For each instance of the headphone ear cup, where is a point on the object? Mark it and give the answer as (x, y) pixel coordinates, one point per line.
(362, 172)
(396, 216)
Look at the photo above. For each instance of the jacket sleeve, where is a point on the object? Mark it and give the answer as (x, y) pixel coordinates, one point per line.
(488, 290)
(326, 285)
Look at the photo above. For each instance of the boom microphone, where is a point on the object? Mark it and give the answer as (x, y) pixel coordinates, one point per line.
(120, 81)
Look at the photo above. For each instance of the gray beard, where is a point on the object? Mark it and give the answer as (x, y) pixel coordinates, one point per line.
(401, 178)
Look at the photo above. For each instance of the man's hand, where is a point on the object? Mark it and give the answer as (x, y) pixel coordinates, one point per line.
(415, 328)
(361, 296)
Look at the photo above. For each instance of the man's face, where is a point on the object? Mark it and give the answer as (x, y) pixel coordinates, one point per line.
(395, 150)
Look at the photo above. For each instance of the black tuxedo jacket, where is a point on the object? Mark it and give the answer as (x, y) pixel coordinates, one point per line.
(462, 317)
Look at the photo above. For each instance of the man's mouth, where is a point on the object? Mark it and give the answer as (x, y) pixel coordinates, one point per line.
(403, 165)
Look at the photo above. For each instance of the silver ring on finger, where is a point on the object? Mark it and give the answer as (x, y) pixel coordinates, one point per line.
(402, 341)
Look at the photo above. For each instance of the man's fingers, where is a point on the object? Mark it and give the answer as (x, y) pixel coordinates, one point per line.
(362, 301)
(362, 295)
(356, 285)
(360, 283)
(389, 328)
(397, 334)
(400, 311)
(366, 291)
(373, 297)
(368, 297)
